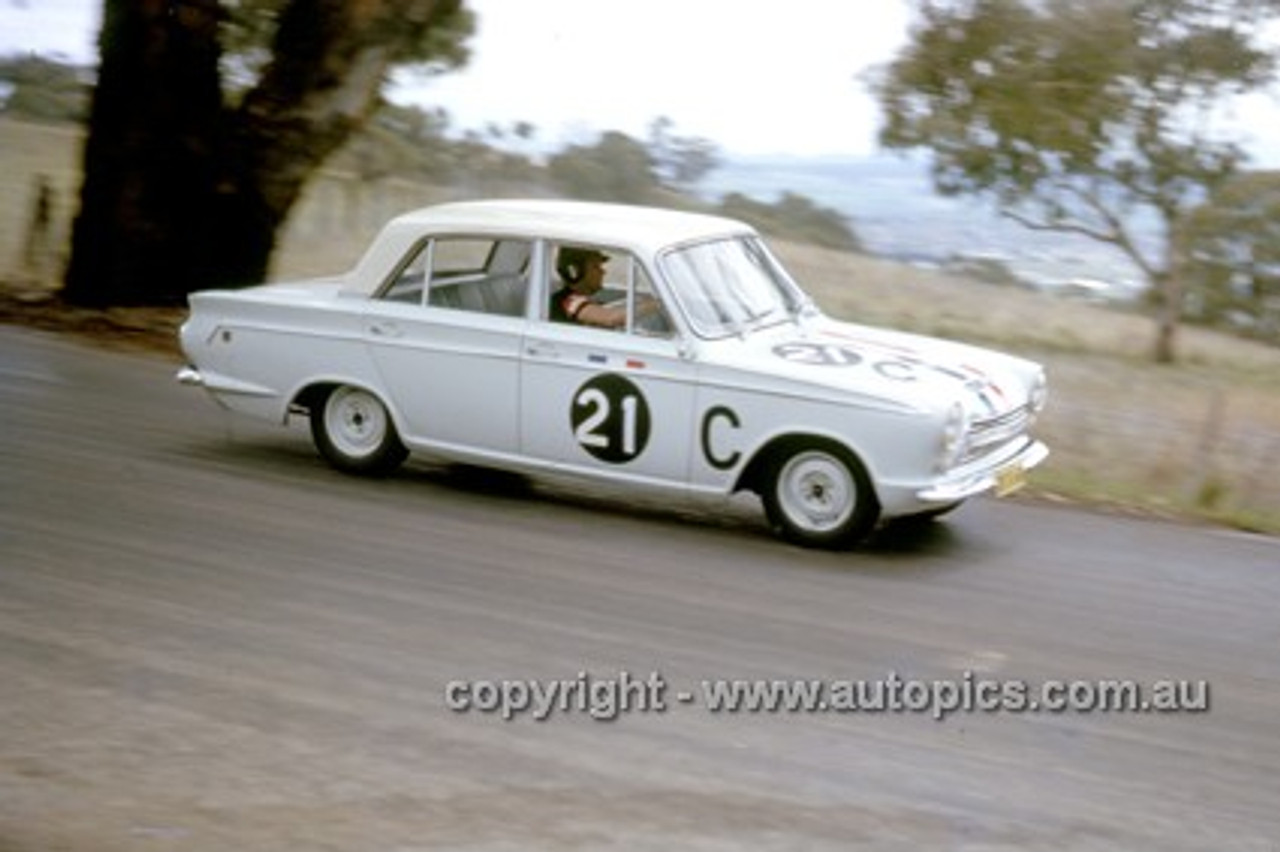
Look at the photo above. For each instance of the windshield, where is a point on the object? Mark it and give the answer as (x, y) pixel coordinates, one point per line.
(731, 286)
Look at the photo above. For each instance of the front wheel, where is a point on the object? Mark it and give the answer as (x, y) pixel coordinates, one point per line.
(353, 431)
(818, 495)
(936, 512)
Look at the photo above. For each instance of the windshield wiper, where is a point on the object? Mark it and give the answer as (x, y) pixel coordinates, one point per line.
(757, 320)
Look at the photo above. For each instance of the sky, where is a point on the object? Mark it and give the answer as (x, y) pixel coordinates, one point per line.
(783, 82)
(754, 83)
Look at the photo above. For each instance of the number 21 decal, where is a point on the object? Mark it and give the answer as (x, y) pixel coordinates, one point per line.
(610, 418)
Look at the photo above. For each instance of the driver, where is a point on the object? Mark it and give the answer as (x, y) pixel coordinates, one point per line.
(582, 272)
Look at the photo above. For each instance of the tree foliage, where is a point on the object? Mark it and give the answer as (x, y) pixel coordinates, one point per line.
(1233, 256)
(1095, 117)
(680, 162)
(43, 89)
(248, 29)
(795, 217)
(614, 168)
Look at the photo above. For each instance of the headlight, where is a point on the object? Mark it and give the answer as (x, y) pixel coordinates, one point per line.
(955, 437)
(1039, 394)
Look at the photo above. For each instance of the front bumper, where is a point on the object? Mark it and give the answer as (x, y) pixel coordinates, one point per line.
(1003, 476)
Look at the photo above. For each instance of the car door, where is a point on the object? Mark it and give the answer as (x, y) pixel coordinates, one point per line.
(446, 339)
(617, 403)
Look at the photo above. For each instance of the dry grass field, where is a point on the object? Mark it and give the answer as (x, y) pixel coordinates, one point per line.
(1201, 439)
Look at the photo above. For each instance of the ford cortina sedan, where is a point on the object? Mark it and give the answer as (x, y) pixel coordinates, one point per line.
(641, 346)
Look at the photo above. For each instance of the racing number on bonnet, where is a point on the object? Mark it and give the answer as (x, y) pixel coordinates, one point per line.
(610, 418)
(819, 354)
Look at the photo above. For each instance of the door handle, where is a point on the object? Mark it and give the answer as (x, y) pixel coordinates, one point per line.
(542, 350)
(385, 329)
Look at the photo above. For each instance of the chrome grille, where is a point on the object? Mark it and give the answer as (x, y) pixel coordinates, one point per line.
(986, 435)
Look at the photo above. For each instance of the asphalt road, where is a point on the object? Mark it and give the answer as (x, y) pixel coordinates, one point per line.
(210, 641)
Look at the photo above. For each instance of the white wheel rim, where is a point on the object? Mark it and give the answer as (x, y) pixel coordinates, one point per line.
(816, 491)
(355, 421)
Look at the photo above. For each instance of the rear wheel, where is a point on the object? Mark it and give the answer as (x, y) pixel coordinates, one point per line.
(353, 431)
(818, 495)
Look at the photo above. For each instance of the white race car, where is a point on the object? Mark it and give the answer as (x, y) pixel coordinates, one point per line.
(474, 332)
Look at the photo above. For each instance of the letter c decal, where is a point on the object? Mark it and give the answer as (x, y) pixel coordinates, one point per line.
(708, 419)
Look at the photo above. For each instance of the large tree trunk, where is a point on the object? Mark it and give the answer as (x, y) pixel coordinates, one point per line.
(150, 157)
(1168, 292)
(181, 194)
(1169, 285)
(330, 60)
(1166, 348)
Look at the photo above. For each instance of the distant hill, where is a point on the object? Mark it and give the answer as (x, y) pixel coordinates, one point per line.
(892, 206)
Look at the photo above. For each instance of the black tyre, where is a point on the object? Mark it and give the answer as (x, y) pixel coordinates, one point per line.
(819, 495)
(921, 521)
(935, 514)
(353, 431)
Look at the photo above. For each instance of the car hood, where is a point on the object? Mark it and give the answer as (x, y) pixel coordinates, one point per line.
(880, 366)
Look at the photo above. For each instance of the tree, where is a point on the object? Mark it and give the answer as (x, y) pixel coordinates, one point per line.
(680, 161)
(42, 89)
(794, 217)
(616, 168)
(185, 183)
(1232, 270)
(1094, 117)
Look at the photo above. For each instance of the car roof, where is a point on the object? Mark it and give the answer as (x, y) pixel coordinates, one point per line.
(577, 221)
(644, 230)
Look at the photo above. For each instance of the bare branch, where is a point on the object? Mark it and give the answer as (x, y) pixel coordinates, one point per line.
(1121, 235)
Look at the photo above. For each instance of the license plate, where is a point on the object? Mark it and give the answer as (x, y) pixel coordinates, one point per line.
(1010, 479)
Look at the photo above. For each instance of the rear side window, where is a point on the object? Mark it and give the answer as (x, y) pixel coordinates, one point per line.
(478, 274)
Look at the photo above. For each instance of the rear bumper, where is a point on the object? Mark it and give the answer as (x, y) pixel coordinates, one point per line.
(190, 377)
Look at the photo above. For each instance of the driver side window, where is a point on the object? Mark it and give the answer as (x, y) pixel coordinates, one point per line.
(604, 288)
